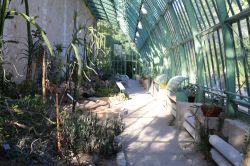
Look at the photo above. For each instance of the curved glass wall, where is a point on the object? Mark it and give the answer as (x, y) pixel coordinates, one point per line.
(205, 40)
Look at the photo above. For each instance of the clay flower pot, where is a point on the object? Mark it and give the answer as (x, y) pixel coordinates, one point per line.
(211, 110)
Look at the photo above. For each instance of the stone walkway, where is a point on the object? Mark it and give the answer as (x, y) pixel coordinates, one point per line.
(148, 138)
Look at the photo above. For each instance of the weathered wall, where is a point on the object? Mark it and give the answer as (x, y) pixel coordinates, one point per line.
(54, 16)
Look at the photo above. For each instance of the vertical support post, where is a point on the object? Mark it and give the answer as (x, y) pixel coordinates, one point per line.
(197, 45)
(125, 64)
(168, 35)
(229, 53)
(154, 45)
(177, 28)
(58, 137)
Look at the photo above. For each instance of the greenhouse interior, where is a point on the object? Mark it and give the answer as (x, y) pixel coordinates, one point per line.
(125, 82)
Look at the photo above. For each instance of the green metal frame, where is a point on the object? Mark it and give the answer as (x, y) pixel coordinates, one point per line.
(202, 39)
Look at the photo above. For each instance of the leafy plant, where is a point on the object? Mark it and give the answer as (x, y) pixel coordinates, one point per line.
(190, 90)
(10, 88)
(56, 65)
(25, 88)
(106, 92)
(26, 126)
(85, 132)
(202, 134)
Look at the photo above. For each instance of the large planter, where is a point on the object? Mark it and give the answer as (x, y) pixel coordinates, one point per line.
(146, 83)
(211, 110)
(137, 77)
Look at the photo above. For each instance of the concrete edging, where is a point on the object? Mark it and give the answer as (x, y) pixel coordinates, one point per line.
(120, 159)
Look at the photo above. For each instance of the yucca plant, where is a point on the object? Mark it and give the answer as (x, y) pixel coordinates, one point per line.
(5, 13)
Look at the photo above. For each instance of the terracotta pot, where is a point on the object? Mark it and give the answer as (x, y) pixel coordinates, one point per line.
(146, 83)
(211, 110)
(137, 77)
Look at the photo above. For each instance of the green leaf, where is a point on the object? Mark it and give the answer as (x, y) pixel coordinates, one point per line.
(46, 41)
(76, 51)
(32, 20)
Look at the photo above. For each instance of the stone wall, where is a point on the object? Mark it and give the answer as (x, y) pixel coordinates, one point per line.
(54, 16)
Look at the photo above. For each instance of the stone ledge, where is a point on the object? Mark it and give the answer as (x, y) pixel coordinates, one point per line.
(120, 159)
(237, 133)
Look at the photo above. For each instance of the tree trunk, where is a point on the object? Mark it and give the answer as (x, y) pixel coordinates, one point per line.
(30, 44)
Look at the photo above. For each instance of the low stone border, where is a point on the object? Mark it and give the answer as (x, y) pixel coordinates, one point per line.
(120, 159)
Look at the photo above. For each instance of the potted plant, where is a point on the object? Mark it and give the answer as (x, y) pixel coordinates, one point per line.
(211, 110)
(137, 77)
(191, 92)
(146, 81)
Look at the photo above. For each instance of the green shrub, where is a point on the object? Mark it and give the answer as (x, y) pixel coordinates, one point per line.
(9, 88)
(105, 92)
(25, 124)
(28, 103)
(25, 88)
(85, 132)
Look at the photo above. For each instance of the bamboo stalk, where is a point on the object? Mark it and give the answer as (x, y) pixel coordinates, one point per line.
(57, 126)
(44, 75)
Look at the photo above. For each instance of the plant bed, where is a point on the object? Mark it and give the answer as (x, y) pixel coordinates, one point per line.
(28, 125)
(191, 92)
(85, 132)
